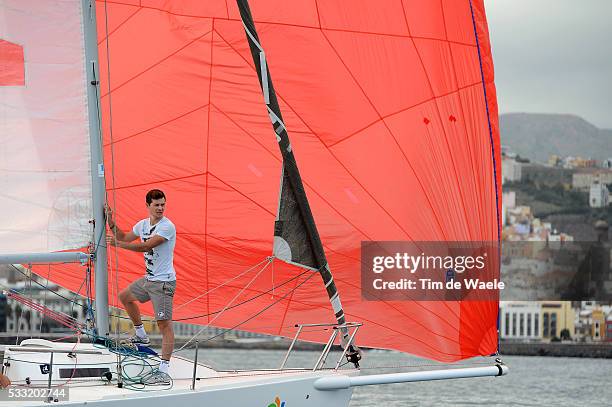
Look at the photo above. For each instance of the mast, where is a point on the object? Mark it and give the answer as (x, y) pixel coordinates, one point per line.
(290, 178)
(98, 185)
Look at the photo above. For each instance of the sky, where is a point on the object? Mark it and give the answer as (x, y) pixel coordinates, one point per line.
(553, 56)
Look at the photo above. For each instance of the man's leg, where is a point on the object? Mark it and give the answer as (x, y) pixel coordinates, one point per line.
(162, 303)
(130, 302)
(165, 327)
(161, 376)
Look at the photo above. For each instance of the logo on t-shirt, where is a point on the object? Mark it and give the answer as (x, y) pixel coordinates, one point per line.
(150, 255)
(159, 260)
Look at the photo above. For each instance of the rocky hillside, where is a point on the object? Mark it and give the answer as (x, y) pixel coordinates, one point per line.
(537, 136)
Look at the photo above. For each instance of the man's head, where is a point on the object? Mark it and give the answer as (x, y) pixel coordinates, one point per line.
(156, 203)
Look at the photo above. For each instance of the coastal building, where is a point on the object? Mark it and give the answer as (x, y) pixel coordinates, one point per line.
(557, 317)
(20, 319)
(599, 196)
(511, 170)
(520, 320)
(578, 162)
(122, 323)
(598, 327)
(554, 160)
(592, 325)
(583, 179)
(508, 203)
(609, 327)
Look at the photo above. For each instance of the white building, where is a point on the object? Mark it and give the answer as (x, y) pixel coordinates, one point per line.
(520, 320)
(509, 199)
(584, 179)
(508, 202)
(599, 196)
(511, 170)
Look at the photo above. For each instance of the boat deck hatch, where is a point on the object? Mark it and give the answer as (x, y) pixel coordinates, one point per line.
(83, 372)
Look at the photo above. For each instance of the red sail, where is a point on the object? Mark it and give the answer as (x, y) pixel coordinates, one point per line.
(391, 111)
(11, 64)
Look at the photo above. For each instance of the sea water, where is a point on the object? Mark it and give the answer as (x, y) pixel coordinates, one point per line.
(533, 381)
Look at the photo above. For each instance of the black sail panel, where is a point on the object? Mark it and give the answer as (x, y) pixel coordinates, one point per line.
(291, 240)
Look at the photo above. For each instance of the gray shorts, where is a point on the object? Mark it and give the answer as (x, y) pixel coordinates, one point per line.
(160, 293)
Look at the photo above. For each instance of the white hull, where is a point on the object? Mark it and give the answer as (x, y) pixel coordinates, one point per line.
(294, 389)
(244, 388)
(79, 369)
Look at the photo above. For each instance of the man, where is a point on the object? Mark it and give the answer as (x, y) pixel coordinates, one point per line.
(157, 240)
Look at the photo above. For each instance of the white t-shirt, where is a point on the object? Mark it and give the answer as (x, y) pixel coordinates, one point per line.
(159, 262)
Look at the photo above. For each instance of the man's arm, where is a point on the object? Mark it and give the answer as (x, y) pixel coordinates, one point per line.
(138, 246)
(120, 235)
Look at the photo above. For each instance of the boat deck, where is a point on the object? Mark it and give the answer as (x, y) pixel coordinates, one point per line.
(27, 361)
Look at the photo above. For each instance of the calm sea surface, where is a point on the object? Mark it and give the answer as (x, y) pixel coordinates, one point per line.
(533, 381)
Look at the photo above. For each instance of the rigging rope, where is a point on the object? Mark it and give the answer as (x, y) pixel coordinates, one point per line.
(112, 149)
(258, 313)
(269, 260)
(90, 308)
(57, 316)
(248, 299)
(222, 284)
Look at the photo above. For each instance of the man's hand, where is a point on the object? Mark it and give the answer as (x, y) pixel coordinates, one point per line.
(4, 381)
(112, 241)
(109, 216)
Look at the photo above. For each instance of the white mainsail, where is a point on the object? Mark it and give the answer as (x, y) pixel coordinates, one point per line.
(45, 183)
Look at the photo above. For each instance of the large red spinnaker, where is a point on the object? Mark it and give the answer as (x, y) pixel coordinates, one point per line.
(391, 110)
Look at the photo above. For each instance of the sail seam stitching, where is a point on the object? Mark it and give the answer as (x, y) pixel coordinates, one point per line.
(158, 125)
(394, 139)
(319, 195)
(479, 218)
(159, 62)
(293, 25)
(437, 109)
(323, 144)
(405, 109)
(210, 82)
(158, 181)
(107, 36)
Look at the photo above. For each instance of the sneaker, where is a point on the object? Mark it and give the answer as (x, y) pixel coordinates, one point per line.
(139, 340)
(157, 378)
(121, 344)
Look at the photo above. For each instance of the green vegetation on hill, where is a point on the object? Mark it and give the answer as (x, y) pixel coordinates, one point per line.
(548, 200)
(568, 210)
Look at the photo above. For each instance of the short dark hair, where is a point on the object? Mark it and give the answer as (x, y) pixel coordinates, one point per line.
(154, 194)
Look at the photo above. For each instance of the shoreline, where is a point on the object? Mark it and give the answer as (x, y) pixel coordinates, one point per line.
(553, 349)
(557, 349)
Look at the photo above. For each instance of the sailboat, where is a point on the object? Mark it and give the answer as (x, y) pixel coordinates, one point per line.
(393, 118)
